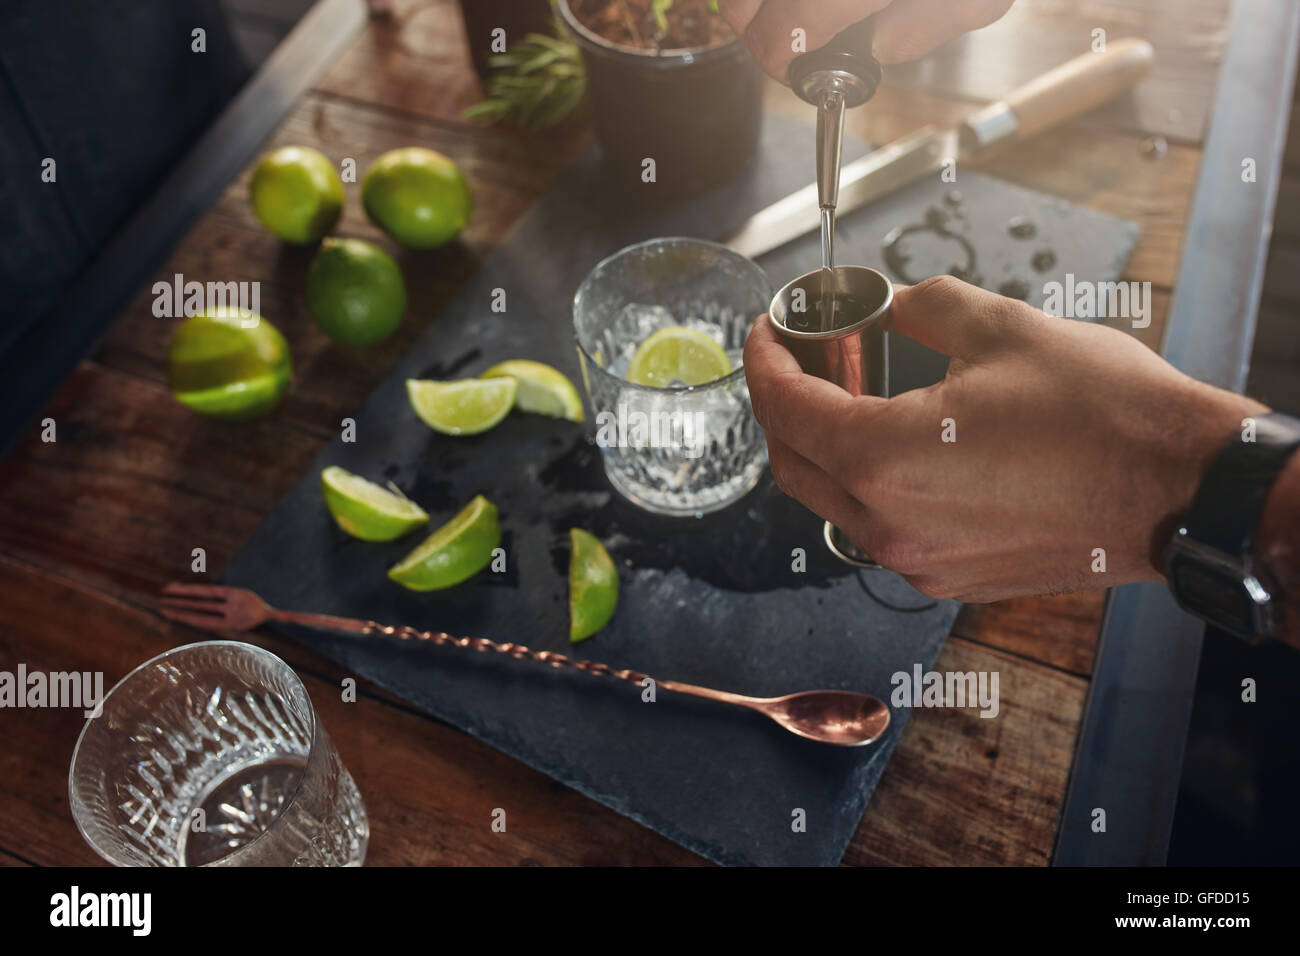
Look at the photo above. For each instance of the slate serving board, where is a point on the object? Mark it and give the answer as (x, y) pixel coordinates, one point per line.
(712, 601)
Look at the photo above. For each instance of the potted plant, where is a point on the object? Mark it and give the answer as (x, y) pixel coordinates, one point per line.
(669, 81)
(517, 18)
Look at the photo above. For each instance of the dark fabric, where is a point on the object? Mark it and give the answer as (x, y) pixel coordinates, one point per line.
(112, 91)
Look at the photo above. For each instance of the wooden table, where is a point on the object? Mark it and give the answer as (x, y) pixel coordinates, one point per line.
(92, 525)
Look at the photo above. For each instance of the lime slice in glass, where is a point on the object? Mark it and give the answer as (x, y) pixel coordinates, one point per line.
(678, 355)
(593, 586)
(542, 390)
(458, 550)
(365, 510)
(464, 407)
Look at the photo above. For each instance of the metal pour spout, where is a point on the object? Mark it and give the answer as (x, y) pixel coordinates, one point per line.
(838, 76)
(830, 151)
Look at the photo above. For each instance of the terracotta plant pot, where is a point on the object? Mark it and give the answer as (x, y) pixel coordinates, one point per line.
(695, 112)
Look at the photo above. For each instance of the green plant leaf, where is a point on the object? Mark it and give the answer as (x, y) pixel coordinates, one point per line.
(536, 83)
(660, 8)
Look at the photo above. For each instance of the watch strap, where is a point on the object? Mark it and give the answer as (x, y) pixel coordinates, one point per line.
(1226, 510)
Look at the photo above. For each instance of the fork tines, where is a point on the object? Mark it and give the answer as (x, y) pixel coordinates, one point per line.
(211, 607)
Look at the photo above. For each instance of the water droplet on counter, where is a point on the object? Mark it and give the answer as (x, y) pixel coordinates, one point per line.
(1021, 228)
(1043, 260)
(1015, 289)
(953, 199)
(928, 249)
(1154, 147)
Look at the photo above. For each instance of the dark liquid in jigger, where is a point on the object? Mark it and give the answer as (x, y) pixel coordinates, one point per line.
(844, 309)
(855, 361)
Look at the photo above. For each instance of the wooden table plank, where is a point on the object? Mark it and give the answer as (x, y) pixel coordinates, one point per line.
(1004, 777)
(134, 483)
(414, 60)
(1058, 630)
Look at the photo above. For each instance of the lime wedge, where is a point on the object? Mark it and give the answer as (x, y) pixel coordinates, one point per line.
(365, 510)
(464, 407)
(458, 550)
(593, 586)
(542, 389)
(678, 355)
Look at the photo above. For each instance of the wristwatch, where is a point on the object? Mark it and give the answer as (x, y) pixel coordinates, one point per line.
(1209, 562)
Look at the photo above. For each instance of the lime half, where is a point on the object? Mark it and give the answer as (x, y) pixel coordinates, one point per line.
(458, 550)
(238, 401)
(678, 356)
(593, 586)
(229, 365)
(542, 390)
(365, 510)
(465, 407)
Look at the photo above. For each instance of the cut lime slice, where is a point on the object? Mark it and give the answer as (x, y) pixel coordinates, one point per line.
(365, 510)
(465, 407)
(678, 355)
(593, 586)
(236, 401)
(458, 550)
(542, 389)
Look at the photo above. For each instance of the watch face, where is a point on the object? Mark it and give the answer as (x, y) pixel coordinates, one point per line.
(1217, 596)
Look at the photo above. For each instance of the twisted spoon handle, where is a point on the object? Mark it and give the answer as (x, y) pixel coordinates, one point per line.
(517, 651)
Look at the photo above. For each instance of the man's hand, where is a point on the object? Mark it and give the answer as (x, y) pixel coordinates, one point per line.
(905, 29)
(1069, 437)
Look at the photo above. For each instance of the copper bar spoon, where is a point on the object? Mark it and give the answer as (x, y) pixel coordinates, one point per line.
(838, 717)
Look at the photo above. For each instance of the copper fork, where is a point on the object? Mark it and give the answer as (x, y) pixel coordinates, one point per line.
(830, 716)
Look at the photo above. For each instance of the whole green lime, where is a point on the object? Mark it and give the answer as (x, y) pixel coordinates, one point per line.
(356, 292)
(296, 193)
(229, 364)
(417, 196)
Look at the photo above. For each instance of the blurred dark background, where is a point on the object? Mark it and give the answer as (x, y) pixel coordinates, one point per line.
(1241, 772)
(114, 92)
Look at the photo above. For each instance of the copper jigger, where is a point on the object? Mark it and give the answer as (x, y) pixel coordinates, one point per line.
(853, 352)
